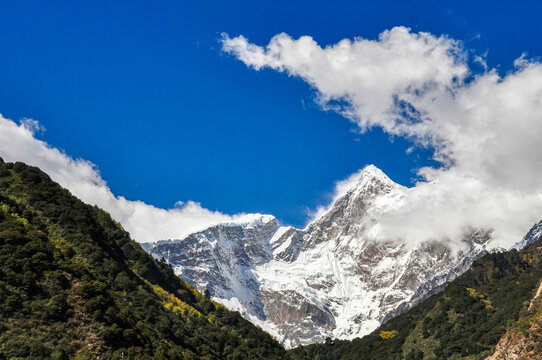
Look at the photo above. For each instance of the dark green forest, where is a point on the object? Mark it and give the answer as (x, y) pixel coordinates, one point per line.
(74, 285)
(465, 321)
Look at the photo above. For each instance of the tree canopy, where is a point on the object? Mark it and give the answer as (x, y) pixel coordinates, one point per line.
(74, 285)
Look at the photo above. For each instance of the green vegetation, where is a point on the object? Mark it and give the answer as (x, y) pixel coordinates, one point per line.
(524, 338)
(74, 285)
(465, 321)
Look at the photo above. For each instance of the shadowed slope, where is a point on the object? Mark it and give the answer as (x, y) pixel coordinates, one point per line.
(73, 284)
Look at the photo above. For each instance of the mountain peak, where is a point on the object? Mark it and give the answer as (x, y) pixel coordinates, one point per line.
(372, 169)
(370, 178)
(371, 173)
(533, 235)
(333, 278)
(366, 182)
(251, 220)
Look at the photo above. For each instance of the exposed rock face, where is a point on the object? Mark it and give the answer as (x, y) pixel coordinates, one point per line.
(334, 278)
(524, 340)
(222, 259)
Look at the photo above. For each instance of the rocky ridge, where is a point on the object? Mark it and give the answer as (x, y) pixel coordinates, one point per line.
(336, 278)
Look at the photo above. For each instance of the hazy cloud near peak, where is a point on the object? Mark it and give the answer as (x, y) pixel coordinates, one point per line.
(144, 222)
(485, 129)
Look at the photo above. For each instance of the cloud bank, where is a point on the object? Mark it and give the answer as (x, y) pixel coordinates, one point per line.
(485, 128)
(144, 222)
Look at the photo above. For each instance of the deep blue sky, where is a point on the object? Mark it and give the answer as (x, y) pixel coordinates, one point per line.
(142, 90)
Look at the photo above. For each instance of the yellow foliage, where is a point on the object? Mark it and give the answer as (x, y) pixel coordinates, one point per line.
(192, 289)
(483, 297)
(60, 244)
(388, 334)
(171, 302)
(4, 208)
(19, 219)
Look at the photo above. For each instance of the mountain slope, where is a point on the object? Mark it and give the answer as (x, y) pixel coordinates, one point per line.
(465, 321)
(523, 340)
(74, 285)
(335, 278)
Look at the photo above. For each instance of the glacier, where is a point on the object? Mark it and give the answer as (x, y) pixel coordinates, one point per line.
(335, 278)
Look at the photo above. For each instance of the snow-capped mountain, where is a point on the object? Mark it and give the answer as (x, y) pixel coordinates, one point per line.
(533, 235)
(335, 278)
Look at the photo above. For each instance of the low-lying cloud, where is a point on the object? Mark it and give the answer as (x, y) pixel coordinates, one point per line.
(144, 222)
(485, 128)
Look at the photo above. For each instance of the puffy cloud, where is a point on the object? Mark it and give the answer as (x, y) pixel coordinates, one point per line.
(363, 73)
(484, 128)
(144, 222)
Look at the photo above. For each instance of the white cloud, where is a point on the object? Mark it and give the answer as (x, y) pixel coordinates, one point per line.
(485, 128)
(362, 72)
(144, 222)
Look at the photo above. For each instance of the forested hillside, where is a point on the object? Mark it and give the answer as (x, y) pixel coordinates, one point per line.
(465, 321)
(523, 340)
(74, 285)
